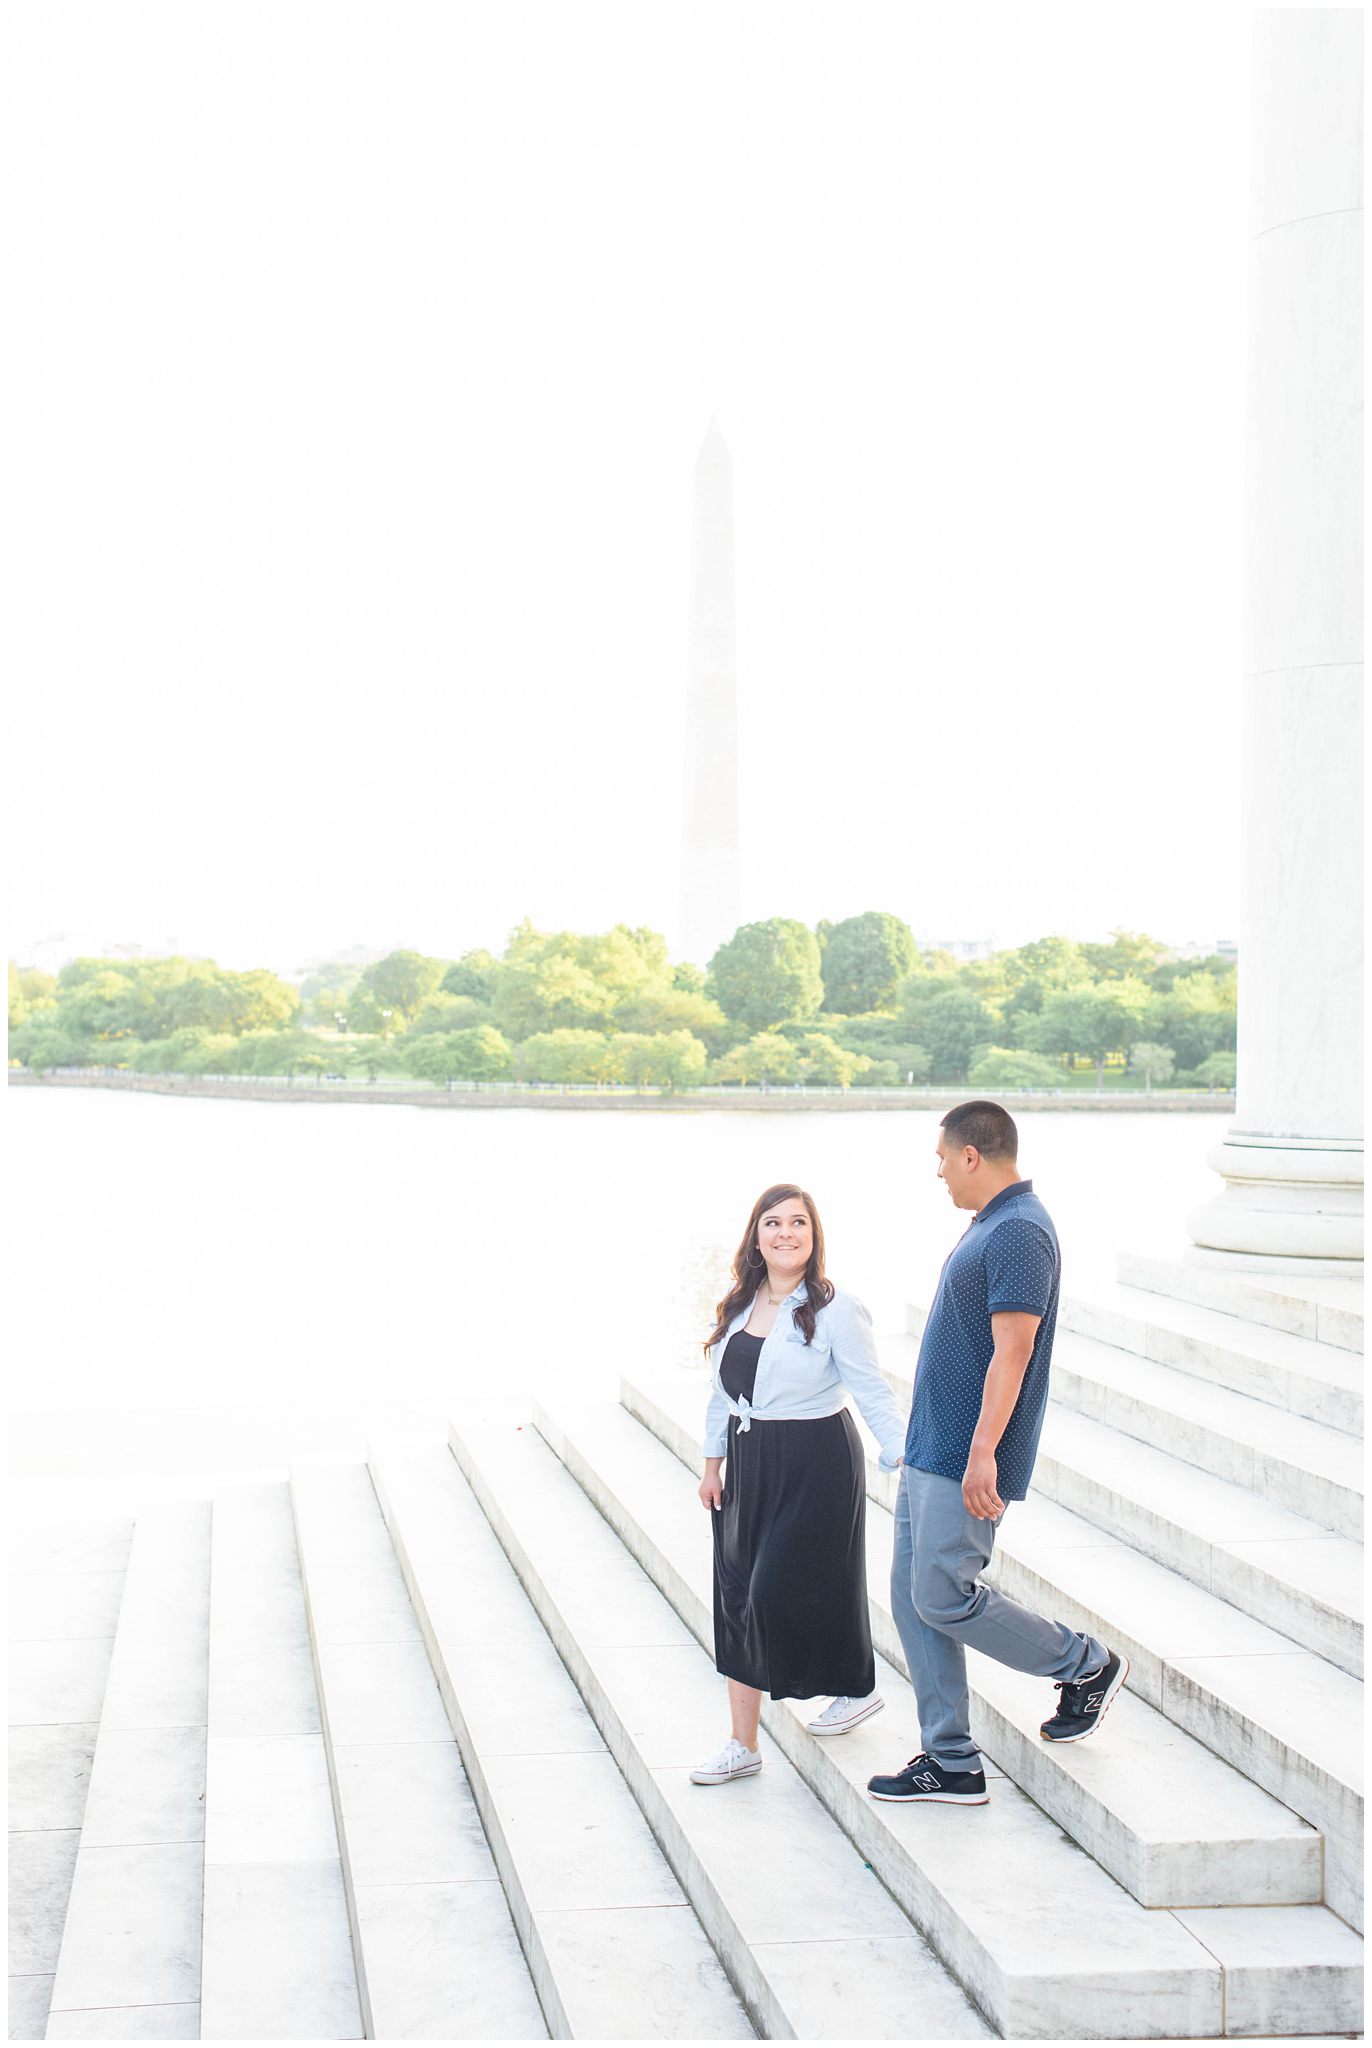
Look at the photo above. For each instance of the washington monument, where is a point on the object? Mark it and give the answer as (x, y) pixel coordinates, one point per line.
(709, 849)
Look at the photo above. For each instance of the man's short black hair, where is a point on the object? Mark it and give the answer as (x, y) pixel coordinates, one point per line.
(984, 1125)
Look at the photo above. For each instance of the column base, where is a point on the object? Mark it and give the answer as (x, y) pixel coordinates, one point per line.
(1297, 1200)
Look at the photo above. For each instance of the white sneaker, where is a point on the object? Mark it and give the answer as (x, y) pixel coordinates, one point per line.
(842, 1714)
(733, 1761)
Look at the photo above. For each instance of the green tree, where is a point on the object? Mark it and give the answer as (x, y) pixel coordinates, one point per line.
(473, 975)
(533, 997)
(103, 1004)
(670, 1060)
(1216, 1070)
(1128, 954)
(173, 1055)
(951, 1024)
(45, 1042)
(1090, 1023)
(291, 1052)
(768, 974)
(449, 1013)
(766, 1057)
(1031, 973)
(29, 991)
(477, 1054)
(881, 1074)
(214, 1052)
(865, 960)
(1154, 1062)
(1196, 1016)
(823, 1059)
(371, 1055)
(402, 983)
(565, 1055)
(1003, 1066)
(663, 1008)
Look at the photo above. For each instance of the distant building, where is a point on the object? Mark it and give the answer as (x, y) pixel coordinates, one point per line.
(961, 949)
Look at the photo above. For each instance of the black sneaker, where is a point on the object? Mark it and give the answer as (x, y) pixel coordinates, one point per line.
(922, 1778)
(1082, 1702)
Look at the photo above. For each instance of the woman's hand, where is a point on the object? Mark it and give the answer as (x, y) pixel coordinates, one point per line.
(712, 1486)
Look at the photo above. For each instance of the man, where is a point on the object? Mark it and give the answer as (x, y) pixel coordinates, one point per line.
(981, 1387)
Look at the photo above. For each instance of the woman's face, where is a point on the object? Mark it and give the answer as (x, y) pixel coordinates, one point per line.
(786, 1237)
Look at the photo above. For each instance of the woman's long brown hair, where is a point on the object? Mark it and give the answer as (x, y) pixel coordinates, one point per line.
(750, 1268)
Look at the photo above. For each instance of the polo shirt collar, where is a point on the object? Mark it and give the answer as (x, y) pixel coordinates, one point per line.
(1016, 1187)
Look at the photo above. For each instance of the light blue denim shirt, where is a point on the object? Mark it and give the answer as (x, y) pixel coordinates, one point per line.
(800, 1382)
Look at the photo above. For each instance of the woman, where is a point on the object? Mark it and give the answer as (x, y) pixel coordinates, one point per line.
(788, 1516)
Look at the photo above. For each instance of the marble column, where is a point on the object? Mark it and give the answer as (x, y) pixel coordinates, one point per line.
(710, 895)
(1292, 1164)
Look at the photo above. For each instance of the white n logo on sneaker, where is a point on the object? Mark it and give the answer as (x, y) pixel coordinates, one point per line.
(927, 1782)
(1093, 1700)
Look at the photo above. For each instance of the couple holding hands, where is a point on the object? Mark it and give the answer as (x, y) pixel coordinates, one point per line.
(785, 1475)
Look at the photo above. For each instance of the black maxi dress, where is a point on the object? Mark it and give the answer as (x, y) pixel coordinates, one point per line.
(790, 1550)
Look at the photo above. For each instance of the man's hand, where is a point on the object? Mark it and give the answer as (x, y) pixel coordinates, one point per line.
(979, 1495)
(711, 1486)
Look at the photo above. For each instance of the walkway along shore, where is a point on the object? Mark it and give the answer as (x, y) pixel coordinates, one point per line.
(489, 1095)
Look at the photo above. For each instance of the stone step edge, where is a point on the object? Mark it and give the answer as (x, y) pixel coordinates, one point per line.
(149, 1518)
(1306, 1386)
(1088, 1357)
(359, 1941)
(1044, 1773)
(866, 1823)
(1202, 1323)
(1084, 1363)
(902, 1386)
(383, 1456)
(1289, 1477)
(1267, 1302)
(1307, 1786)
(1056, 1471)
(746, 1963)
(1229, 1724)
(279, 1486)
(1321, 1916)
(762, 2000)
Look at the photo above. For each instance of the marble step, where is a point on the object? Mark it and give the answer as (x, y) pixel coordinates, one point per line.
(1283, 1568)
(1271, 1563)
(437, 1953)
(129, 1966)
(278, 1956)
(1305, 1466)
(1281, 1715)
(1323, 1307)
(1318, 1381)
(814, 1945)
(1166, 1817)
(66, 1579)
(976, 1881)
(615, 1948)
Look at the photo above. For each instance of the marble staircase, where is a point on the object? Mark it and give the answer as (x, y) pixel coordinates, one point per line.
(398, 1747)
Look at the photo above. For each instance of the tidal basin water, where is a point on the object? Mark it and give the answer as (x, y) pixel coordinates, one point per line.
(201, 1285)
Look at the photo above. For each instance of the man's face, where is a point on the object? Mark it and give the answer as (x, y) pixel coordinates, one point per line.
(957, 1166)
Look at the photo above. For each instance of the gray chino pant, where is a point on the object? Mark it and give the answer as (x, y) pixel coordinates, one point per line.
(939, 1608)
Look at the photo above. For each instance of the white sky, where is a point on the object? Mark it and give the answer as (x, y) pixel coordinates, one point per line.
(362, 358)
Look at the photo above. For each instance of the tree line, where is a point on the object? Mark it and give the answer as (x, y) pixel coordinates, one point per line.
(852, 1003)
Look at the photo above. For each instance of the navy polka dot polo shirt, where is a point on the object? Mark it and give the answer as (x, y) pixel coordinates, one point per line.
(1007, 1258)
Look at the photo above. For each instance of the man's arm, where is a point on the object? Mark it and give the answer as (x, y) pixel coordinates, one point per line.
(1014, 1333)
